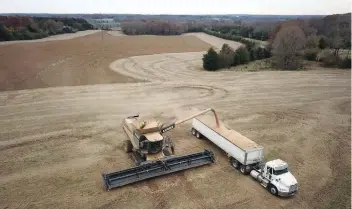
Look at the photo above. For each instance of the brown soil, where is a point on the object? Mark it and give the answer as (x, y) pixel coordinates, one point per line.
(80, 61)
(56, 142)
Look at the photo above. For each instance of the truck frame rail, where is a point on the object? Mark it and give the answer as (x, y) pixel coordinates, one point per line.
(156, 168)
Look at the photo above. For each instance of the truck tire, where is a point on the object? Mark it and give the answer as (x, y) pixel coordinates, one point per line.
(193, 131)
(243, 169)
(127, 146)
(272, 189)
(235, 163)
(198, 135)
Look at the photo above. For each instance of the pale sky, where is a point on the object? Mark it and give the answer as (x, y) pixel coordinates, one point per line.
(295, 7)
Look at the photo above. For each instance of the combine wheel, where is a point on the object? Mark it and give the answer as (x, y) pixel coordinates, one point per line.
(127, 146)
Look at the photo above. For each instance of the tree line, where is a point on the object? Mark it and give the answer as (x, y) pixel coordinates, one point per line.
(289, 44)
(158, 27)
(227, 57)
(243, 31)
(27, 28)
(318, 40)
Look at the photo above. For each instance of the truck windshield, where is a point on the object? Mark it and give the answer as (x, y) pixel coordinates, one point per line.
(155, 147)
(279, 172)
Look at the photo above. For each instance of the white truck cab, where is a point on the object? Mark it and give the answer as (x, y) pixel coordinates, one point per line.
(276, 177)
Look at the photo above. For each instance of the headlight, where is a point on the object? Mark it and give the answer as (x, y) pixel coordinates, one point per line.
(293, 187)
(284, 189)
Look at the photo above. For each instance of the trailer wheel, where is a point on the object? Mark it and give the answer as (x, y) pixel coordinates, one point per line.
(235, 164)
(198, 135)
(243, 169)
(193, 131)
(127, 145)
(273, 190)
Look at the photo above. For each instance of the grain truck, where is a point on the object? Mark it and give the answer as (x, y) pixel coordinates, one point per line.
(248, 157)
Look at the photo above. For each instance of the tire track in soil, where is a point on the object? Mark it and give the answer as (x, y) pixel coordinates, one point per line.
(157, 196)
(191, 193)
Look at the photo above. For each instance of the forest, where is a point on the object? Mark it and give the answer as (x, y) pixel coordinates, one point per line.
(27, 28)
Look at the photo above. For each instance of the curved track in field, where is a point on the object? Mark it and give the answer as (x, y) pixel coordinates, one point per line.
(55, 142)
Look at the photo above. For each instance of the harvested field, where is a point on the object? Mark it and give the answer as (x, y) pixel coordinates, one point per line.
(54, 38)
(55, 142)
(215, 41)
(80, 61)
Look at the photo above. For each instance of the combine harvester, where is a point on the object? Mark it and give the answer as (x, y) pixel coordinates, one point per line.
(153, 153)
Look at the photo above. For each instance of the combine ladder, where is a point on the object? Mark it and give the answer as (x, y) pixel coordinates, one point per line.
(156, 168)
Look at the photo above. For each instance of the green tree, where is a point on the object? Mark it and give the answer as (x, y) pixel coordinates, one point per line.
(53, 27)
(211, 60)
(236, 59)
(311, 54)
(243, 54)
(34, 28)
(226, 56)
(77, 26)
(260, 53)
(322, 43)
(5, 33)
(345, 63)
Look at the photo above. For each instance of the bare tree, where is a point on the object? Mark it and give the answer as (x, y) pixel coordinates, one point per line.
(156, 27)
(312, 41)
(286, 45)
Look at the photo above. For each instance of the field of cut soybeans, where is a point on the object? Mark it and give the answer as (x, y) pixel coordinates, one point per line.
(62, 103)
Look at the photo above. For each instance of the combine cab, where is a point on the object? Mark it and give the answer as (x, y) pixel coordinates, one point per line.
(144, 140)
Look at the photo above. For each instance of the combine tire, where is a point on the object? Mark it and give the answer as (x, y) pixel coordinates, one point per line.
(127, 146)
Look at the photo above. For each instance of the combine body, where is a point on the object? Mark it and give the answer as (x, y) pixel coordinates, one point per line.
(144, 140)
(247, 156)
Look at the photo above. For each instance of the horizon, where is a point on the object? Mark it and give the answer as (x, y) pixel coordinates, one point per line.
(224, 14)
(181, 7)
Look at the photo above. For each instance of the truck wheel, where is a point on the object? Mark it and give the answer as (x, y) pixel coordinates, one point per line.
(243, 169)
(273, 190)
(198, 135)
(235, 164)
(127, 146)
(193, 131)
